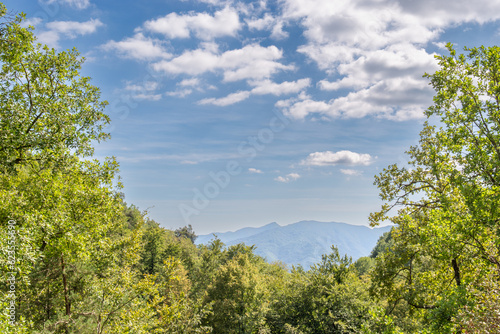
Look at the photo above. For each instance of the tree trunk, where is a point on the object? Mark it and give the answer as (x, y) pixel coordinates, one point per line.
(65, 286)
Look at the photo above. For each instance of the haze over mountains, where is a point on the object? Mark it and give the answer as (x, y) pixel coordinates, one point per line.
(303, 242)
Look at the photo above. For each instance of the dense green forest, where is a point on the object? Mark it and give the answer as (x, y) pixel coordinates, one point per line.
(76, 258)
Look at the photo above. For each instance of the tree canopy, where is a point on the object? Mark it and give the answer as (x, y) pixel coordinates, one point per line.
(446, 239)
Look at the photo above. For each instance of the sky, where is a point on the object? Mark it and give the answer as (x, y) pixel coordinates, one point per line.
(230, 114)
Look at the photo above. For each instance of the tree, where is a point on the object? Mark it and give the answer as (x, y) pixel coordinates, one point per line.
(80, 259)
(46, 107)
(237, 295)
(329, 298)
(186, 232)
(447, 224)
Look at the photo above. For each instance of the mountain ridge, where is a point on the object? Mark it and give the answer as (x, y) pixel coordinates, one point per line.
(304, 242)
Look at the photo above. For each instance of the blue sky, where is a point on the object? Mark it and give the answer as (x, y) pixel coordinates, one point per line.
(229, 113)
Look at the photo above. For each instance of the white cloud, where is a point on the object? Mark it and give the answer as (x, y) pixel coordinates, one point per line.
(32, 21)
(139, 47)
(255, 171)
(351, 172)
(344, 157)
(69, 29)
(80, 4)
(193, 82)
(250, 62)
(262, 23)
(50, 38)
(377, 49)
(288, 178)
(180, 93)
(144, 91)
(146, 86)
(263, 87)
(187, 86)
(301, 107)
(286, 87)
(446, 13)
(215, 2)
(150, 97)
(204, 26)
(228, 100)
(72, 29)
(399, 98)
(268, 22)
(395, 61)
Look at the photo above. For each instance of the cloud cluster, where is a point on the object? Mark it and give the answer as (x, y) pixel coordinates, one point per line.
(255, 171)
(261, 88)
(346, 158)
(351, 172)
(139, 47)
(377, 51)
(288, 178)
(250, 62)
(80, 4)
(204, 26)
(70, 29)
(144, 91)
(372, 54)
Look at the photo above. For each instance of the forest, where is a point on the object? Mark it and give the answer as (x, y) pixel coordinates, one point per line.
(76, 258)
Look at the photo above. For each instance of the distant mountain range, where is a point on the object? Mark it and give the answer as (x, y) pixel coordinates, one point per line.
(303, 242)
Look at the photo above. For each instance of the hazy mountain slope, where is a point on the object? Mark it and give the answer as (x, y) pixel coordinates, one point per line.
(303, 242)
(227, 237)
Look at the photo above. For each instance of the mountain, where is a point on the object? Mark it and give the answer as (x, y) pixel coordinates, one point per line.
(303, 242)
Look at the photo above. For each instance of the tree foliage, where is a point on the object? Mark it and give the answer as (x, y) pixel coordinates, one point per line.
(47, 107)
(447, 224)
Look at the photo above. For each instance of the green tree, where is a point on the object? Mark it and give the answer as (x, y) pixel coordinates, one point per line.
(77, 246)
(447, 223)
(329, 298)
(47, 108)
(186, 232)
(238, 297)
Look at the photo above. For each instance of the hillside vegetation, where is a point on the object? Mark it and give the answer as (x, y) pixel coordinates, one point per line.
(77, 259)
(302, 243)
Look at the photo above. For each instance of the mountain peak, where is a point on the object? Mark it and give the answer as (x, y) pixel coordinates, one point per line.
(303, 242)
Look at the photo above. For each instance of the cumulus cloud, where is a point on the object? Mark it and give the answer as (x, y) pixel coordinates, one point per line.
(286, 87)
(270, 23)
(80, 4)
(203, 25)
(351, 172)
(373, 48)
(288, 178)
(255, 171)
(395, 61)
(262, 88)
(145, 86)
(299, 108)
(69, 29)
(399, 99)
(32, 21)
(250, 62)
(228, 100)
(373, 54)
(139, 47)
(149, 97)
(192, 82)
(179, 93)
(144, 91)
(329, 158)
(72, 28)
